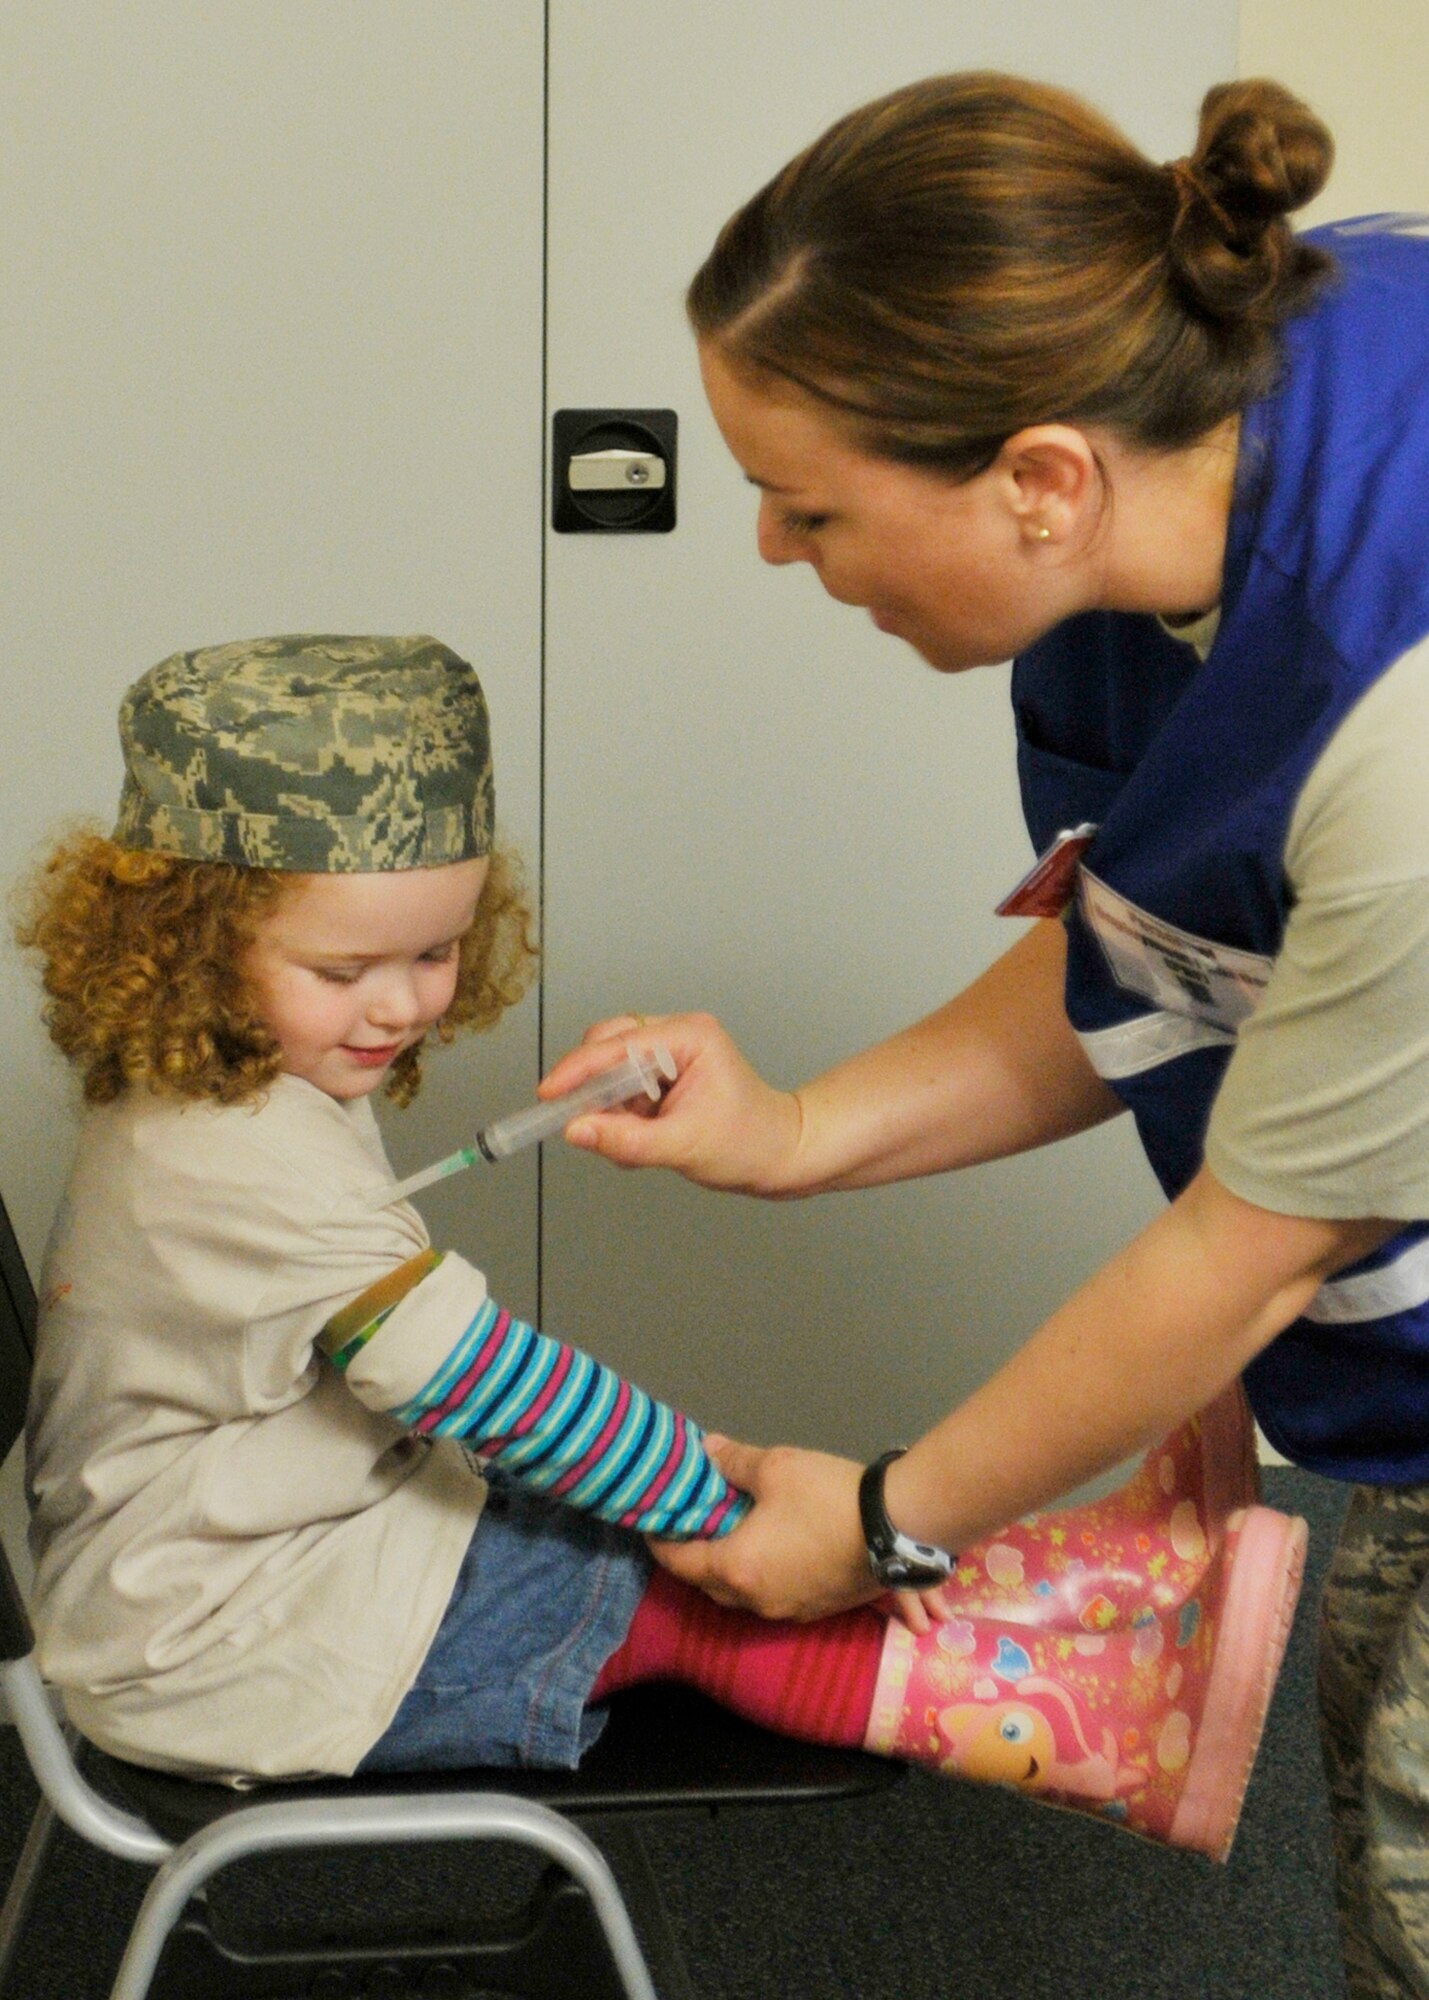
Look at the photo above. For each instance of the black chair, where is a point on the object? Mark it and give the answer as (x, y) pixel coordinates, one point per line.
(664, 1750)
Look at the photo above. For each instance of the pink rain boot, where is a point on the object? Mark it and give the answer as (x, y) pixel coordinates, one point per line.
(1146, 1547)
(1153, 1725)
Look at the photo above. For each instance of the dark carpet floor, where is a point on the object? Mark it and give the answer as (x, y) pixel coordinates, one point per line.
(925, 1892)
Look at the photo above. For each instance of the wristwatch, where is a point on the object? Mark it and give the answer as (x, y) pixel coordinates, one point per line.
(896, 1560)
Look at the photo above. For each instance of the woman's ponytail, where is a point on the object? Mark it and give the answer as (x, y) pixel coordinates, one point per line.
(1260, 154)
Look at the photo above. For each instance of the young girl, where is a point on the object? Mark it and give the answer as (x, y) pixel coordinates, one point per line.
(298, 1482)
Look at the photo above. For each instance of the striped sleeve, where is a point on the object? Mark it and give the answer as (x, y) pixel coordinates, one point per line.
(544, 1412)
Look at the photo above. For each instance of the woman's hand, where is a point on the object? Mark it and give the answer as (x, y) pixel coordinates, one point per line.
(993, 1072)
(799, 1553)
(718, 1124)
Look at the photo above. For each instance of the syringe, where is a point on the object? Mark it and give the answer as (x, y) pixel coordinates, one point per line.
(644, 1072)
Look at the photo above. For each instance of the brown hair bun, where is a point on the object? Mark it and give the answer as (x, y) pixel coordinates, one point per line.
(1260, 153)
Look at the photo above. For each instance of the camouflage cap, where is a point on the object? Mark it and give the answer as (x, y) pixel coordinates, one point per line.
(326, 755)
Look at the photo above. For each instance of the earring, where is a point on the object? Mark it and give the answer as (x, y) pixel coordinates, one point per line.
(1044, 533)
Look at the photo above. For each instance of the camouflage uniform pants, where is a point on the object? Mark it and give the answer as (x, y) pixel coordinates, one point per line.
(1374, 1721)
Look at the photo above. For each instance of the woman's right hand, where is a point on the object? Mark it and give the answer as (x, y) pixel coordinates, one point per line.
(718, 1124)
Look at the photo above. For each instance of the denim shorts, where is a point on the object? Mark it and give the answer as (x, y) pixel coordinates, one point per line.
(543, 1598)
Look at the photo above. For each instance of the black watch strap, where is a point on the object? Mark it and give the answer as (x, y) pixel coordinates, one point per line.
(896, 1560)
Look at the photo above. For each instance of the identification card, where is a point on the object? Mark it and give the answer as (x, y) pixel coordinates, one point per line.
(1048, 886)
(1175, 969)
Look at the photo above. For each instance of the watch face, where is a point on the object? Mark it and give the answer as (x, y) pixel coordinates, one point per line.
(898, 1573)
(897, 1561)
(918, 1563)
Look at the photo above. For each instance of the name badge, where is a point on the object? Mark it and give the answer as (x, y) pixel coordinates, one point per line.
(1174, 969)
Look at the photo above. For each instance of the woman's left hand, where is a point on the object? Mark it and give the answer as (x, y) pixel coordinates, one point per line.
(799, 1553)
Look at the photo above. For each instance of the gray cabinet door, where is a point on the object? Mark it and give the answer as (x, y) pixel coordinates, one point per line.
(755, 802)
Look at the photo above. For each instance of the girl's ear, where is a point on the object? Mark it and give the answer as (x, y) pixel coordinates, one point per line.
(1051, 480)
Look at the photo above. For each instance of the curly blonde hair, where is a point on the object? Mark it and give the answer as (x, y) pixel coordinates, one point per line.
(142, 960)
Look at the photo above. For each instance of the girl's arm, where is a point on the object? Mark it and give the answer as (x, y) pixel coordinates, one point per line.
(427, 1346)
(1151, 1338)
(996, 1071)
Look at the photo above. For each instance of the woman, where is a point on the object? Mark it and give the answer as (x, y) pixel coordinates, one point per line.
(1019, 391)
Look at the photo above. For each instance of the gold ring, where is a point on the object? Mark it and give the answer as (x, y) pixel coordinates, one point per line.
(640, 1021)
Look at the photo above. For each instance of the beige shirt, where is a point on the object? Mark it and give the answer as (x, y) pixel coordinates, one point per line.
(1324, 1109)
(239, 1566)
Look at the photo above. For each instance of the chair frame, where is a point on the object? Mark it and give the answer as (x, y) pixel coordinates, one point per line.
(665, 1749)
(367, 1820)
